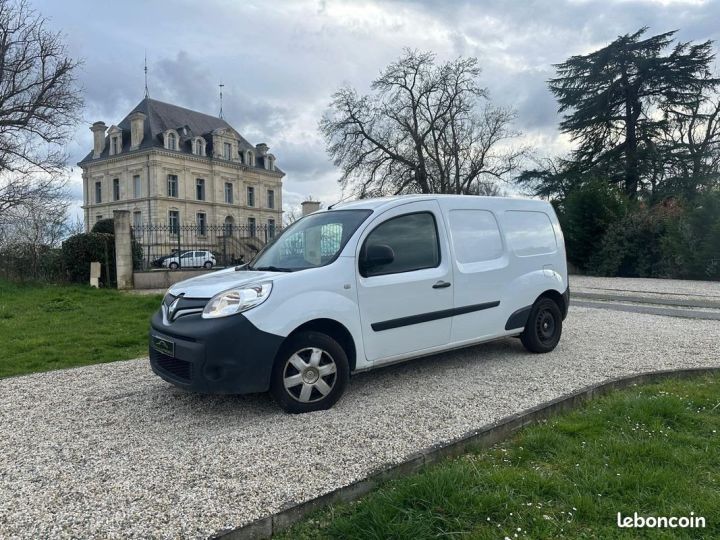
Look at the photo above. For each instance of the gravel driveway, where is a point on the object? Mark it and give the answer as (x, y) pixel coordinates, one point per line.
(111, 451)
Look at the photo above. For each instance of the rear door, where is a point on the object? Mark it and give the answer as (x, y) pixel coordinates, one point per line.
(406, 305)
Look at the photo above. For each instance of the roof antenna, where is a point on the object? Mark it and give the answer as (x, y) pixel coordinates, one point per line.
(147, 93)
(221, 87)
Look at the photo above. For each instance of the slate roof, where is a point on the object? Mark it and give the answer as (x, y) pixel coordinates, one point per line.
(163, 116)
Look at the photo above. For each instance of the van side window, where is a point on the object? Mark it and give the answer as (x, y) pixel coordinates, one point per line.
(475, 236)
(529, 233)
(413, 239)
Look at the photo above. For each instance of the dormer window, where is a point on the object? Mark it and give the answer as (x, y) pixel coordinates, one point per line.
(250, 159)
(115, 135)
(114, 145)
(227, 150)
(199, 146)
(270, 163)
(171, 140)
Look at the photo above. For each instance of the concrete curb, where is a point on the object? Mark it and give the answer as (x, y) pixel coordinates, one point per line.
(663, 301)
(484, 437)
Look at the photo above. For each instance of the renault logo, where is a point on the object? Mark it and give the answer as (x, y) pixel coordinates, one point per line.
(173, 307)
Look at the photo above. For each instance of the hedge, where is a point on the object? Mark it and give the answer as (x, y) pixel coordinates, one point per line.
(80, 250)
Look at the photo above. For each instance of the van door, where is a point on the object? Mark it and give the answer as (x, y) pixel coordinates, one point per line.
(481, 265)
(404, 282)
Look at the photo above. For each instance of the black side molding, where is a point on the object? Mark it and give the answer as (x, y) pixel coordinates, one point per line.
(432, 316)
(518, 319)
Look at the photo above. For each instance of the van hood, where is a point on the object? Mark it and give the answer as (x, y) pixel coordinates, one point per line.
(208, 285)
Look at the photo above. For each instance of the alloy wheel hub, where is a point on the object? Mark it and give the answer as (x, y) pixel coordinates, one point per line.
(310, 376)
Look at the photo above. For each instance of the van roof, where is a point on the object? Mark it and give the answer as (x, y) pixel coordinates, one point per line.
(387, 202)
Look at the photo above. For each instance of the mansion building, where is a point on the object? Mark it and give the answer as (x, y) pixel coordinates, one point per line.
(170, 165)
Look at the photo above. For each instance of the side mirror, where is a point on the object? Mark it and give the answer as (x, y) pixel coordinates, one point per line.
(377, 255)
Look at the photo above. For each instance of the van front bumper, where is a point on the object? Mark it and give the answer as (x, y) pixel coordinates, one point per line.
(228, 355)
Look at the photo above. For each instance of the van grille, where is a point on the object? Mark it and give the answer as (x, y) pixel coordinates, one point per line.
(180, 369)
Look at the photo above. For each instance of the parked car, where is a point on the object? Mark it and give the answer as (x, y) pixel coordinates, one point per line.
(158, 263)
(191, 259)
(363, 285)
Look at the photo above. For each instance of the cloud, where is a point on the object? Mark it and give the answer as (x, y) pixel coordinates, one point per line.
(280, 61)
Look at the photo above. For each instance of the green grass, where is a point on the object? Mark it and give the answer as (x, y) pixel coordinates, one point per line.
(652, 449)
(44, 327)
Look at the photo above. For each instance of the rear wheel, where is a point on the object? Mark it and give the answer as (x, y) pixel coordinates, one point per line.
(543, 328)
(310, 373)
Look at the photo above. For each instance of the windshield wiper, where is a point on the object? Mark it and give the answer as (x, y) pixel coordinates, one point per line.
(273, 269)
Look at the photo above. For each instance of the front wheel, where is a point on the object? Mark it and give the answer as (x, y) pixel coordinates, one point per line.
(544, 327)
(174, 266)
(208, 265)
(310, 373)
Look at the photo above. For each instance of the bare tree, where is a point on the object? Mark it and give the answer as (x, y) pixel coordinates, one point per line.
(692, 143)
(39, 105)
(427, 128)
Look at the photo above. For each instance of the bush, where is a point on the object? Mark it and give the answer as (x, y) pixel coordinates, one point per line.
(106, 226)
(636, 245)
(585, 216)
(22, 261)
(692, 242)
(80, 250)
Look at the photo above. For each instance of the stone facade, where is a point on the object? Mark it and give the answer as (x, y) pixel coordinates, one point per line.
(162, 159)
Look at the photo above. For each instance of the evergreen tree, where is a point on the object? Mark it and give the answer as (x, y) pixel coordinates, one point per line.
(611, 100)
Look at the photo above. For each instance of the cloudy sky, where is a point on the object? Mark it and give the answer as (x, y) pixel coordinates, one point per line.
(281, 60)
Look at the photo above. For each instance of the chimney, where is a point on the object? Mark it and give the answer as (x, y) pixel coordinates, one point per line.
(137, 129)
(98, 129)
(262, 149)
(308, 207)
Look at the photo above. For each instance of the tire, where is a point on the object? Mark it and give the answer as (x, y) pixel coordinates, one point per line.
(208, 264)
(543, 328)
(173, 266)
(310, 373)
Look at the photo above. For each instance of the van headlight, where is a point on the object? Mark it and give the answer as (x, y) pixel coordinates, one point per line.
(237, 300)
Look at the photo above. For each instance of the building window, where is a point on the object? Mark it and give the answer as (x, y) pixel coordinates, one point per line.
(227, 150)
(200, 189)
(98, 217)
(114, 145)
(137, 187)
(174, 221)
(199, 147)
(271, 198)
(271, 228)
(252, 228)
(116, 189)
(201, 220)
(250, 196)
(228, 193)
(270, 163)
(172, 182)
(137, 219)
(250, 159)
(171, 141)
(98, 192)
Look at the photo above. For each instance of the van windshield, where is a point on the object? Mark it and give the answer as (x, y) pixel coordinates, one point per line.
(310, 242)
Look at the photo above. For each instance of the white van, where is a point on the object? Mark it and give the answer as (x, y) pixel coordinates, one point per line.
(362, 285)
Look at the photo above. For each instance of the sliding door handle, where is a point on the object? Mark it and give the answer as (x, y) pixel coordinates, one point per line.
(441, 285)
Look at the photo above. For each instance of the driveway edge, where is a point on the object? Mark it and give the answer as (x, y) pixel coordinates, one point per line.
(486, 436)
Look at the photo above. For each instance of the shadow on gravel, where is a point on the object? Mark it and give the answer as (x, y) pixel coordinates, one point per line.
(169, 401)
